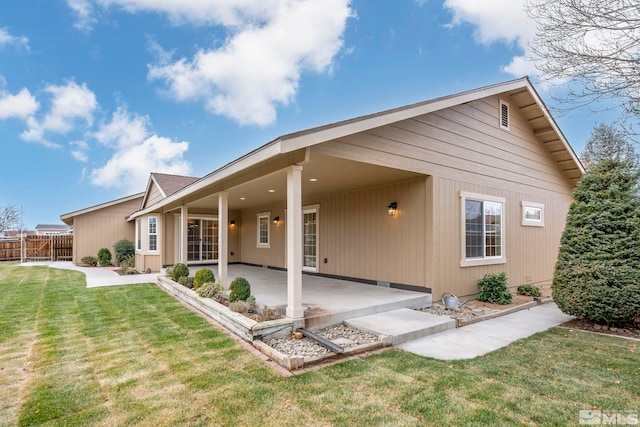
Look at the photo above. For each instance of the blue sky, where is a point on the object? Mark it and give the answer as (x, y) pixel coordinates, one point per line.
(96, 94)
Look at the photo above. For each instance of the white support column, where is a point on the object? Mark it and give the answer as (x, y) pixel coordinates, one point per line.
(223, 237)
(294, 243)
(184, 224)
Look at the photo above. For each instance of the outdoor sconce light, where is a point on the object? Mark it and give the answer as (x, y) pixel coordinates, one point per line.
(392, 208)
(232, 224)
(276, 220)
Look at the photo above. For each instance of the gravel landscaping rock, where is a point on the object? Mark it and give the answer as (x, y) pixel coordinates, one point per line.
(454, 313)
(342, 335)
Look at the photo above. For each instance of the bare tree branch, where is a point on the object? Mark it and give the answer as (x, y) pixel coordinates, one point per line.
(9, 217)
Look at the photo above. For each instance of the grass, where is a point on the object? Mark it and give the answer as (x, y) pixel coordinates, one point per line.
(132, 355)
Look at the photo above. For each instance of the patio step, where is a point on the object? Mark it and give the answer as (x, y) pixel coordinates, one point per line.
(403, 324)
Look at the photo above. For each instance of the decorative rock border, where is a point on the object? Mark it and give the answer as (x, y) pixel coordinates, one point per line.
(298, 362)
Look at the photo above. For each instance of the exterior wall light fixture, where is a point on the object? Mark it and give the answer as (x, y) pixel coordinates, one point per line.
(232, 224)
(392, 208)
(276, 220)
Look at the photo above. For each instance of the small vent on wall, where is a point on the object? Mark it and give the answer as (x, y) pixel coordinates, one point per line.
(383, 284)
(504, 115)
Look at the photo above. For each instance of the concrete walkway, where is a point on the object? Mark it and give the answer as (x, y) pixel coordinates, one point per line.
(484, 337)
(97, 276)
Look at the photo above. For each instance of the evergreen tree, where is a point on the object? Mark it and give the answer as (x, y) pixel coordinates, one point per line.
(597, 274)
(608, 143)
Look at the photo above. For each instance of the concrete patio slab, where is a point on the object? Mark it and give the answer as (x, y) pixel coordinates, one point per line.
(484, 337)
(403, 325)
(96, 276)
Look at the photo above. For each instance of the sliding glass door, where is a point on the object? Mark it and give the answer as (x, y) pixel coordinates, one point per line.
(202, 240)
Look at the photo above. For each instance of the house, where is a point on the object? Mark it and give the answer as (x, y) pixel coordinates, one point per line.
(52, 229)
(426, 197)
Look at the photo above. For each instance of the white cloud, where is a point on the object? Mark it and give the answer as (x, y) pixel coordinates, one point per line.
(504, 21)
(79, 150)
(71, 105)
(136, 153)
(259, 67)
(70, 102)
(84, 14)
(21, 105)
(7, 39)
(269, 44)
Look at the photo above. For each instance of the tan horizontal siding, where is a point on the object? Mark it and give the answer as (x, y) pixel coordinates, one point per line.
(154, 195)
(102, 228)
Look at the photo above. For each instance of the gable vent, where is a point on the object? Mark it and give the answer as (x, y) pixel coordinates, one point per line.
(504, 115)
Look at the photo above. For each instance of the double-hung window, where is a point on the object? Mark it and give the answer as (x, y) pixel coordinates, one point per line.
(482, 229)
(153, 233)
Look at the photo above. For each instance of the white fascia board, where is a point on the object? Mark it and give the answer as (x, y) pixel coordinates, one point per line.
(255, 157)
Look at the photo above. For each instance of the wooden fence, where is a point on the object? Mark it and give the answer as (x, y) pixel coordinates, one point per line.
(38, 248)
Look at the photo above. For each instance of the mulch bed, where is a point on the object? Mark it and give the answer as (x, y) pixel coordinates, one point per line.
(629, 331)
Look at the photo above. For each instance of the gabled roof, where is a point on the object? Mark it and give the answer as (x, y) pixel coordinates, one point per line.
(521, 93)
(52, 227)
(167, 184)
(68, 217)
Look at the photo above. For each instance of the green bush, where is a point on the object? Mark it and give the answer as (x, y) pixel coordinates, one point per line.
(186, 281)
(209, 290)
(104, 257)
(529, 291)
(240, 289)
(203, 276)
(123, 248)
(179, 270)
(267, 313)
(597, 274)
(494, 289)
(90, 260)
(168, 272)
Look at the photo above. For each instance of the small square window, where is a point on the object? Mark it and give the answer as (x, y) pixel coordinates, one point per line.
(532, 214)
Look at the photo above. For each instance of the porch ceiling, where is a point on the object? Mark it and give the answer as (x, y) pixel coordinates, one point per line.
(331, 175)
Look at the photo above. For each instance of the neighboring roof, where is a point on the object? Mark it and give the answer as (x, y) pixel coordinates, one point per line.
(52, 227)
(521, 92)
(167, 184)
(68, 217)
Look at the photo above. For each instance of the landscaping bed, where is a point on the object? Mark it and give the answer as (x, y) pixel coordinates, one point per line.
(628, 331)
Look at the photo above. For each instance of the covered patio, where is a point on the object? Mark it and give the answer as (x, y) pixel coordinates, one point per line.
(325, 301)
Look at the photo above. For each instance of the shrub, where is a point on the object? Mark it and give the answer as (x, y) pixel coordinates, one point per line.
(123, 249)
(168, 272)
(203, 276)
(529, 291)
(128, 264)
(186, 281)
(243, 306)
(104, 257)
(209, 290)
(240, 289)
(179, 270)
(493, 289)
(267, 313)
(90, 260)
(597, 274)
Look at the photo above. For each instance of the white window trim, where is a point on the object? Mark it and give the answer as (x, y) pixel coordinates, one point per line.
(532, 222)
(156, 234)
(508, 126)
(258, 217)
(471, 262)
(138, 235)
(310, 209)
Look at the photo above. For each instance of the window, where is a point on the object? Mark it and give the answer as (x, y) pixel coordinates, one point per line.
(532, 214)
(153, 233)
(138, 235)
(483, 229)
(263, 229)
(504, 115)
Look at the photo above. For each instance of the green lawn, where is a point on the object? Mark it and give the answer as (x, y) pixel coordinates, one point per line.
(133, 355)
